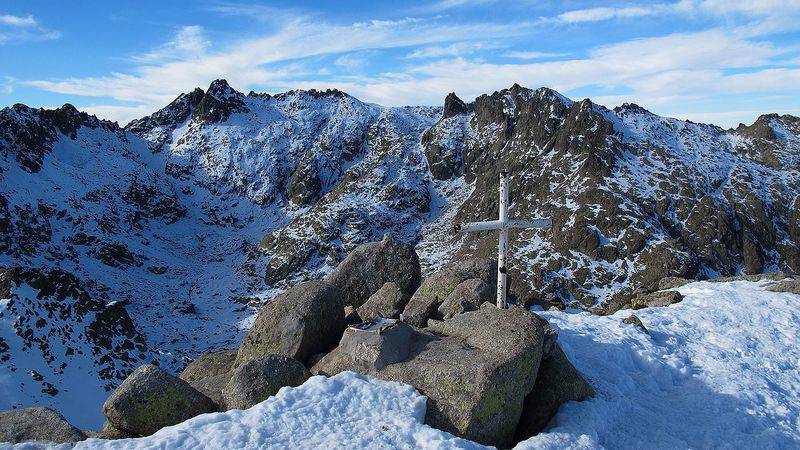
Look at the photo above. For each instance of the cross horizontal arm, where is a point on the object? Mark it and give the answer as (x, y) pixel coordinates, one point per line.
(533, 223)
(491, 225)
(479, 226)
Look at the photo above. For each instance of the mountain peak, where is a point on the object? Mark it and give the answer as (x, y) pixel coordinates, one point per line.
(454, 106)
(220, 89)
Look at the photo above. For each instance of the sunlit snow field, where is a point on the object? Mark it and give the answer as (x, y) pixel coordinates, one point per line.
(718, 370)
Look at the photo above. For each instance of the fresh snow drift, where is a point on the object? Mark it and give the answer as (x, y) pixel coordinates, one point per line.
(717, 370)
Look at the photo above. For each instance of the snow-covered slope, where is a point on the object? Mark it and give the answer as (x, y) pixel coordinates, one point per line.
(158, 241)
(718, 370)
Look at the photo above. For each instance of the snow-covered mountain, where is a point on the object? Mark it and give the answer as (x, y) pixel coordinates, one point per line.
(157, 241)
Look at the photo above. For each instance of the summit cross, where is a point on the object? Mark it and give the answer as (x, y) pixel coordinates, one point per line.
(503, 224)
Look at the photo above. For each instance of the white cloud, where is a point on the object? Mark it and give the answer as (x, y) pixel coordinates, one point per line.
(455, 49)
(443, 5)
(17, 21)
(188, 43)
(258, 61)
(604, 13)
(7, 86)
(532, 55)
(24, 28)
(353, 62)
(663, 71)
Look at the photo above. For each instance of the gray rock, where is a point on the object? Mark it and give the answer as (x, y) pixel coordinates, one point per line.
(150, 399)
(656, 299)
(475, 368)
(306, 319)
(557, 382)
(469, 295)
(634, 320)
(425, 302)
(371, 265)
(387, 302)
(351, 315)
(212, 388)
(672, 283)
(209, 365)
(791, 286)
(262, 377)
(37, 424)
(109, 431)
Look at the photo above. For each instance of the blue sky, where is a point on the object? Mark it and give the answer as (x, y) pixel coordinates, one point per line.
(719, 61)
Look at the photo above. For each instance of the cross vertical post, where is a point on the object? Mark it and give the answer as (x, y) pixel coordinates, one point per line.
(503, 224)
(502, 247)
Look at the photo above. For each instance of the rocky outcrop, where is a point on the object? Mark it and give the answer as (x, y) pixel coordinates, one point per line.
(469, 295)
(304, 320)
(209, 365)
(150, 399)
(656, 299)
(368, 267)
(475, 368)
(37, 424)
(634, 320)
(425, 302)
(260, 378)
(557, 382)
(388, 302)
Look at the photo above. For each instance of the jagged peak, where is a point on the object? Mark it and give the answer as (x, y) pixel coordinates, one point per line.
(631, 108)
(314, 93)
(66, 118)
(454, 106)
(221, 90)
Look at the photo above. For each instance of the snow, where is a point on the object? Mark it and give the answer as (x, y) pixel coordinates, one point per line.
(718, 370)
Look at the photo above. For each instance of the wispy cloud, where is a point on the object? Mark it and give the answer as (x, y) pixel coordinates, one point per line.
(24, 28)
(427, 57)
(188, 43)
(603, 13)
(7, 85)
(455, 49)
(17, 21)
(170, 69)
(444, 5)
(532, 55)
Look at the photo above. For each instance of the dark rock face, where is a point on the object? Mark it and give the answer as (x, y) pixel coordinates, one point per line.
(425, 302)
(388, 302)
(28, 134)
(260, 378)
(218, 103)
(37, 424)
(453, 106)
(557, 382)
(64, 316)
(151, 399)
(630, 201)
(209, 365)
(367, 268)
(475, 368)
(306, 319)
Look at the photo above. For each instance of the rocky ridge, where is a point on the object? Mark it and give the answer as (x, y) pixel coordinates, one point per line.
(187, 220)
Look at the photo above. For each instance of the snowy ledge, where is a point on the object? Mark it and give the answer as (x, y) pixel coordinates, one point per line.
(719, 369)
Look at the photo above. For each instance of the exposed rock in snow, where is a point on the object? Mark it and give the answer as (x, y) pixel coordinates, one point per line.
(719, 369)
(188, 220)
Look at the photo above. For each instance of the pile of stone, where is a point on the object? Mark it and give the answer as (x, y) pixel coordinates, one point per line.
(491, 375)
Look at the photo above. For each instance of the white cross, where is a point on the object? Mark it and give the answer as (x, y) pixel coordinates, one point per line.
(502, 224)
